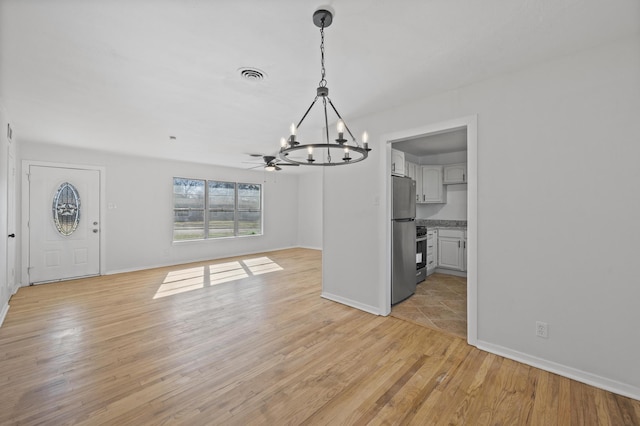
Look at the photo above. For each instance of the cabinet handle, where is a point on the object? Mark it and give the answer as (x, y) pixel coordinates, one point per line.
(465, 244)
(458, 243)
(393, 167)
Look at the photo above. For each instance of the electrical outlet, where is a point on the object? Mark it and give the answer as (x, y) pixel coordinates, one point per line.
(542, 329)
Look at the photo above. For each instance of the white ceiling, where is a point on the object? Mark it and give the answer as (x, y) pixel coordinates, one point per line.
(435, 143)
(124, 76)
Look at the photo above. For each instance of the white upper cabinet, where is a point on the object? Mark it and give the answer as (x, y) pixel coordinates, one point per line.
(455, 173)
(414, 171)
(397, 163)
(432, 187)
(410, 170)
(418, 178)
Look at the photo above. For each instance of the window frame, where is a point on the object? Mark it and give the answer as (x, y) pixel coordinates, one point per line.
(207, 209)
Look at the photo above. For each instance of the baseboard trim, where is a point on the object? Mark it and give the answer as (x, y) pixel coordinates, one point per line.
(3, 313)
(614, 386)
(351, 303)
(310, 248)
(446, 271)
(203, 259)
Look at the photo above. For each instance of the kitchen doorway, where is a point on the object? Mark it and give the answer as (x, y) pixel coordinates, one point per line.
(449, 302)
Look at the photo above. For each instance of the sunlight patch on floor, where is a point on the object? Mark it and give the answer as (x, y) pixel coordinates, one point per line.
(262, 265)
(189, 279)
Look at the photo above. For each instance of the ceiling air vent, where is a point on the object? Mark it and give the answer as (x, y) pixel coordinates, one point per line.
(252, 74)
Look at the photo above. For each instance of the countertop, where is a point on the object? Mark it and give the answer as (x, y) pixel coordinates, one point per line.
(449, 224)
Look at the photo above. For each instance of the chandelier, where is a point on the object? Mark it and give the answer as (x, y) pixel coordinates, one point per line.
(319, 154)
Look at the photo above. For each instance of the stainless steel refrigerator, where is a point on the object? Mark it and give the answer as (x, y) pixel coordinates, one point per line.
(403, 237)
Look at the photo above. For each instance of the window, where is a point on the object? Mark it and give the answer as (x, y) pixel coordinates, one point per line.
(249, 209)
(222, 209)
(212, 209)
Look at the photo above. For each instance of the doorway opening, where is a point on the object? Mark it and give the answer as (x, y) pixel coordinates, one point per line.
(442, 159)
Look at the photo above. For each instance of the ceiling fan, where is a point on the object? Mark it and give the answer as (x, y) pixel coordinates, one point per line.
(270, 163)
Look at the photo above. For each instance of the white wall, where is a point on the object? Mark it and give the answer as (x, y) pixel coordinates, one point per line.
(557, 233)
(310, 208)
(139, 231)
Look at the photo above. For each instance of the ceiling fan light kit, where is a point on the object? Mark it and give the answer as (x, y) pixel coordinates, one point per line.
(292, 150)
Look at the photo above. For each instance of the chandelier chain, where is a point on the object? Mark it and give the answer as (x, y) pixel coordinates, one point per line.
(323, 81)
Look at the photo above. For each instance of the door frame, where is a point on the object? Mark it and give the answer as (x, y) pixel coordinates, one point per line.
(26, 164)
(11, 218)
(471, 124)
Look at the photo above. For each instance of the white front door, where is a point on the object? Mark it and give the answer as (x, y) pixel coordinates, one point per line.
(64, 228)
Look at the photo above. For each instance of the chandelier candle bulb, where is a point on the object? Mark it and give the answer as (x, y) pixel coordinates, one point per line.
(292, 138)
(346, 154)
(283, 142)
(365, 140)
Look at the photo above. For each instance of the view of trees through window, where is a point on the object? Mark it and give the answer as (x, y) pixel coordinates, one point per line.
(213, 209)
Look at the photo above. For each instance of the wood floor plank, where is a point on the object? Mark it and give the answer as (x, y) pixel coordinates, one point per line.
(197, 344)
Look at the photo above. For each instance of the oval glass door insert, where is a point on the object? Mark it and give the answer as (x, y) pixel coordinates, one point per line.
(66, 209)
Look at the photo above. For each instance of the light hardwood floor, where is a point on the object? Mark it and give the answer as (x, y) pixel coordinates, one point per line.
(245, 341)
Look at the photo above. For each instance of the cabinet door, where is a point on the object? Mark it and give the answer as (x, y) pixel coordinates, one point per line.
(431, 251)
(432, 189)
(450, 253)
(455, 173)
(397, 162)
(410, 169)
(418, 178)
(464, 255)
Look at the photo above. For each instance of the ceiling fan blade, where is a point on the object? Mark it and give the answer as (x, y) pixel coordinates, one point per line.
(288, 164)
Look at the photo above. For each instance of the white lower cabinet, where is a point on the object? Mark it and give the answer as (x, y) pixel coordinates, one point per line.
(432, 251)
(452, 249)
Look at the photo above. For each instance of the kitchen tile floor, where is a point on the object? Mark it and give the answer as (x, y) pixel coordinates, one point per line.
(440, 302)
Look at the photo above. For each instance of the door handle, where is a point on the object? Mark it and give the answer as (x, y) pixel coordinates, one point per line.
(11, 235)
